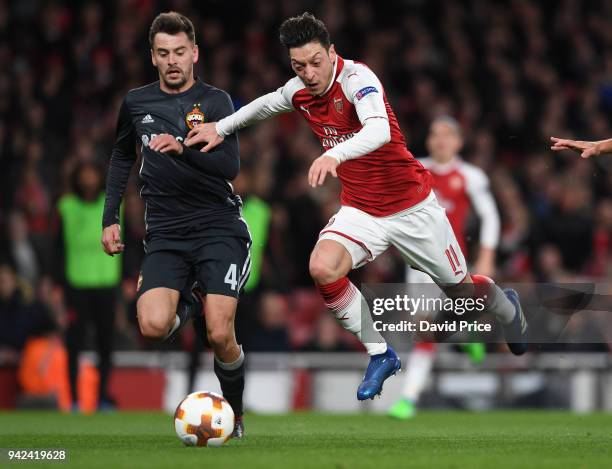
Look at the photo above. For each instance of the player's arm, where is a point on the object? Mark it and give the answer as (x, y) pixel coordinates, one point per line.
(484, 205)
(222, 161)
(586, 149)
(123, 158)
(262, 108)
(365, 92)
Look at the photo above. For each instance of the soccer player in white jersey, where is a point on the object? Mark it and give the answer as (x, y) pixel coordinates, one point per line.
(460, 187)
(386, 193)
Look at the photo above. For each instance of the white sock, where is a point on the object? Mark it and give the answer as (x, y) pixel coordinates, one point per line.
(347, 310)
(419, 367)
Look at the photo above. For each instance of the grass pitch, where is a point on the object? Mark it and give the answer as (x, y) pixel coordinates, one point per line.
(305, 440)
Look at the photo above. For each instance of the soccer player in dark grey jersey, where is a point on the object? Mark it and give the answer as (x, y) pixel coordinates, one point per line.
(194, 227)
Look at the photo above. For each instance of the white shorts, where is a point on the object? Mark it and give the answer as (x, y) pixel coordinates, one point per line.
(422, 234)
(416, 276)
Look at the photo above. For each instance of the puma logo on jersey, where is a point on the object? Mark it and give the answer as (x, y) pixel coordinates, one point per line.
(305, 109)
(147, 119)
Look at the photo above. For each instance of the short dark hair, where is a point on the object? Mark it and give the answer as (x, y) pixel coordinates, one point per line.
(173, 23)
(300, 30)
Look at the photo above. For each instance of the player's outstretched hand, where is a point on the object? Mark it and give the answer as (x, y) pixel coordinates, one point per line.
(320, 167)
(111, 240)
(586, 149)
(166, 143)
(204, 133)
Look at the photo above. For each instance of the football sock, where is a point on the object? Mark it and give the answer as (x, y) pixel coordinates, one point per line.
(419, 367)
(231, 378)
(496, 301)
(346, 302)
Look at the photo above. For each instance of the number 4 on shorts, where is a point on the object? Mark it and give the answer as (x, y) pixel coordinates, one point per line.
(231, 276)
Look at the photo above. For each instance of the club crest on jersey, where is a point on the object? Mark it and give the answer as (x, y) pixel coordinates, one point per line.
(365, 91)
(455, 183)
(339, 105)
(194, 117)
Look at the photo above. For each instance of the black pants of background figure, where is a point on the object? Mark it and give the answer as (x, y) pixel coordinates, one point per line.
(95, 307)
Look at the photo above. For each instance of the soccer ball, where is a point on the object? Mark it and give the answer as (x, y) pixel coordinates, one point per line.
(204, 419)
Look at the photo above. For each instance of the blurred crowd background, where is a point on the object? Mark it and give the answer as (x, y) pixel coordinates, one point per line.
(513, 73)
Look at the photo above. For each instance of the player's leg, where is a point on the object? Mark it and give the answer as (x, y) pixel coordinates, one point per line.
(425, 238)
(223, 267)
(229, 356)
(104, 320)
(156, 309)
(418, 370)
(421, 358)
(162, 308)
(220, 312)
(330, 263)
(75, 332)
(350, 240)
(503, 304)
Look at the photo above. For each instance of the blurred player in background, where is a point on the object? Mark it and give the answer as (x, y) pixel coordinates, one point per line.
(459, 187)
(194, 228)
(586, 149)
(90, 278)
(386, 193)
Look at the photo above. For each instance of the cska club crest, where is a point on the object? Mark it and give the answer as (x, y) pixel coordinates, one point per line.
(339, 105)
(194, 117)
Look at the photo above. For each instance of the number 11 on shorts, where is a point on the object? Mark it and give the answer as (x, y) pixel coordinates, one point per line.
(451, 255)
(231, 277)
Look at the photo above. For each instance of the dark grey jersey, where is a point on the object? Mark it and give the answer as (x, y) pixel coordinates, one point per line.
(188, 193)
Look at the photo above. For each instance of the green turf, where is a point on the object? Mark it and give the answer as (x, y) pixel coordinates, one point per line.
(433, 439)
